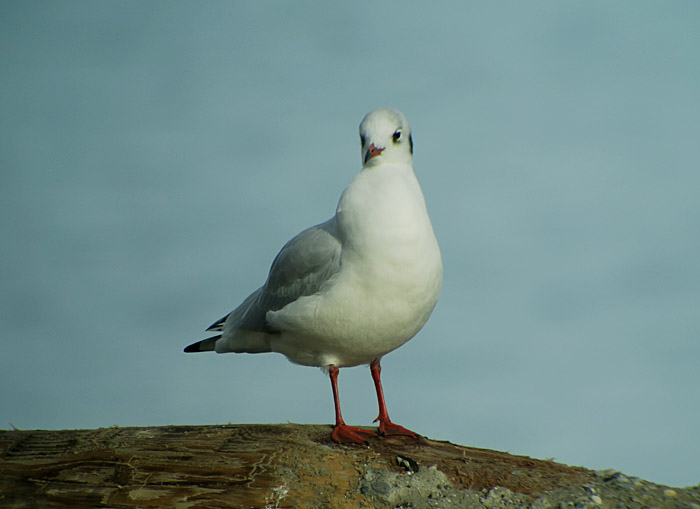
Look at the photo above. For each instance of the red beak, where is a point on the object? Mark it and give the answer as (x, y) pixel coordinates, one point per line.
(372, 152)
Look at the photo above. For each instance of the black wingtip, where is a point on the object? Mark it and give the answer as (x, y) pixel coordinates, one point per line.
(206, 345)
(219, 324)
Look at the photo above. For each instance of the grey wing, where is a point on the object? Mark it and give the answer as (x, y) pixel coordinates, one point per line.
(301, 268)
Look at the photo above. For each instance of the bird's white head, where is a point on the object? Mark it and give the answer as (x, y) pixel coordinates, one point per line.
(386, 138)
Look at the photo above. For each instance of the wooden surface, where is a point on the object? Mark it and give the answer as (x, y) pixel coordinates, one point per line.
(284, 465)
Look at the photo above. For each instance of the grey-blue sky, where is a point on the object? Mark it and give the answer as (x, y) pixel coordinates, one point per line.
(155, 156)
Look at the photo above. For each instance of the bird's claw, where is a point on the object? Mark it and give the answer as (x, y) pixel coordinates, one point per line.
(342, 433)
(386, 427)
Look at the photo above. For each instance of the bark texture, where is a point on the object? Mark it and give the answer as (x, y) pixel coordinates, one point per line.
(284, 465)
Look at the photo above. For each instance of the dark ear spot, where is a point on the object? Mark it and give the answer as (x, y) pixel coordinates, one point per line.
(410, 143)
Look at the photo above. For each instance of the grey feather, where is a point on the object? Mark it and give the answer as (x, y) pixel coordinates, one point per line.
(301, 268)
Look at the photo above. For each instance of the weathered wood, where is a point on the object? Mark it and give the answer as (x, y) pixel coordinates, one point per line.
(285, 465)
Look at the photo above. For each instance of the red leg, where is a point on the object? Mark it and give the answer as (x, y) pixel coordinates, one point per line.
(386, 427)
(342, 432)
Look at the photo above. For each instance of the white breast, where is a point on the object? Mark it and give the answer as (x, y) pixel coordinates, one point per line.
(388, 283)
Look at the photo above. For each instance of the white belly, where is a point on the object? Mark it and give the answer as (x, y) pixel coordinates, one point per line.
(388, 283)
(366, 313)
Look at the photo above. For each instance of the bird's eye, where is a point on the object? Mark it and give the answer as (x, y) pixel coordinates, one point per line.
(362, 140)
(397, 136)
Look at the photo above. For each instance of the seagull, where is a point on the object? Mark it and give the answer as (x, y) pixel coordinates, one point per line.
(350, 290)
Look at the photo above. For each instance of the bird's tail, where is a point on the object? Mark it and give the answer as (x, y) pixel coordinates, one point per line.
(206, 345)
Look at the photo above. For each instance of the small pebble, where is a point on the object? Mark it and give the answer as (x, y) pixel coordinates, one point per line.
(381, 487)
